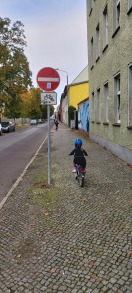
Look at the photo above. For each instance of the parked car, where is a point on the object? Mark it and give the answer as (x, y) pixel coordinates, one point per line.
(8, 126)
(34, 122)
(39, 121)
(0, 129)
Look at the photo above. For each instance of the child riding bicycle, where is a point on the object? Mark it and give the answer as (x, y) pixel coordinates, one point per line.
(79, 153)
(56, 124)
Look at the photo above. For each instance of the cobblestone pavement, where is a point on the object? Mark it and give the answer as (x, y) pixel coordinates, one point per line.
(65, 238)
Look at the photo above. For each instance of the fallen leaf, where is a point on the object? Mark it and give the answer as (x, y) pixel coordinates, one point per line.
(53, 270)
(129, 252)
(32, 225)
(37, 233)
(83, 198)
(34, 253)
(130, 166)
(97, 250)
(93, 276)
(90, 262)
(19, 255)
(98, 279)
(46, 214)
(57, 231)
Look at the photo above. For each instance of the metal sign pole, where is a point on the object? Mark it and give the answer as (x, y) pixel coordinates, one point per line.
(48, 80)
(48, 115)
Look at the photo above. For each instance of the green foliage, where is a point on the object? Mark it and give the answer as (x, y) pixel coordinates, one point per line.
(44, 111)
(36, 110)
(71, 110)
(14, 108)
(15, 75)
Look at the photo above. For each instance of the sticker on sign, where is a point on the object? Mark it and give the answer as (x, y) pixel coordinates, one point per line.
(48, 98)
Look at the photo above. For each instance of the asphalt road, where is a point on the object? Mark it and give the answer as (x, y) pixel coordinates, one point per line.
(16, 150)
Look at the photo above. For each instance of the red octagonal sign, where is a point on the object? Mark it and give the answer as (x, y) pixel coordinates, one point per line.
(48, 79)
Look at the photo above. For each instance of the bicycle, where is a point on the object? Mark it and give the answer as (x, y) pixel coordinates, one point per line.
(56, 126)
(80, 175)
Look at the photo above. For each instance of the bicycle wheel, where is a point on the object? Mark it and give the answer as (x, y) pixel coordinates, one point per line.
(81, 179)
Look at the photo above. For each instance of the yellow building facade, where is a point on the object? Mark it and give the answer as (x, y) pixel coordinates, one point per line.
(77, 93)
(78, 90)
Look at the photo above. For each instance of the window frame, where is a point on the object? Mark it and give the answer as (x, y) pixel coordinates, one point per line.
(117, 99)
(106, 98)
(116, 16)
(105, 27)
(98, 106)
(130, 95)
(93, 106)
(90, 5)
(92, 53)
(129, 6)
(97, 42)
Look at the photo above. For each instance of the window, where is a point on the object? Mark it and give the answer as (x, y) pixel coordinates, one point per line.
(93, 110)
(91, 52)
(106, 96)
(98, 107)
(105, 27)
(130, 95)
(90, 2)
(116, 15)
(97, 42)
(117, 100)
(129, 4)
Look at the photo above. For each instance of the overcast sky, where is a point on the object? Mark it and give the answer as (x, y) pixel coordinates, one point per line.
(56, 35)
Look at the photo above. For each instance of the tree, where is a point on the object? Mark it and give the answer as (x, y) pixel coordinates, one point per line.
(14, 108)
(37, 110)
(15, 75)
(44, 111)
(71, 110)
(25, 103)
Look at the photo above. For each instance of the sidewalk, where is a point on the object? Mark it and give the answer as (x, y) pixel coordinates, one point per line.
(64, 238)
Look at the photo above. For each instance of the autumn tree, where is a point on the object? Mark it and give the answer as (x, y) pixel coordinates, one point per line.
(44, 111)
(25, 103)
(71, 110)
(35, 109)
(15, 75)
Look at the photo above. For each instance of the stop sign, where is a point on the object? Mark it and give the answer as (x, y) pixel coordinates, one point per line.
(48, 79)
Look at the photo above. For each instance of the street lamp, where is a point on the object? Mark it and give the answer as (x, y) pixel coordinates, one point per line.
(66, 77)
(66, 113)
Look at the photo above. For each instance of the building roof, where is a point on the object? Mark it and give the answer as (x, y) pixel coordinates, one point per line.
(82, 77)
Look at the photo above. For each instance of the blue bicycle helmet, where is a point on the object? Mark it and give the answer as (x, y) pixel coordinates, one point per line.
(78, 142)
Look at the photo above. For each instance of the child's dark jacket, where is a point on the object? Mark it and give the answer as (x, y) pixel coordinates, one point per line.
(79, 158)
